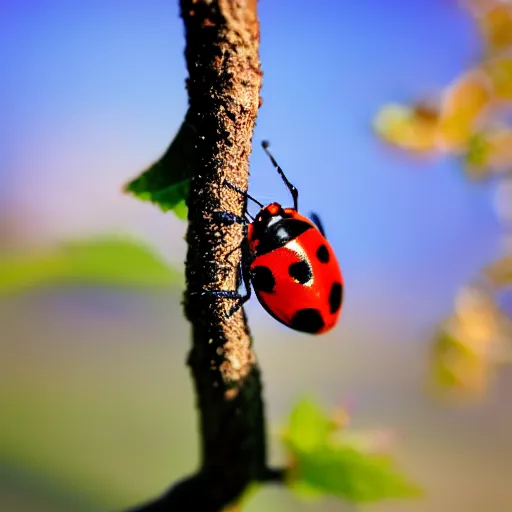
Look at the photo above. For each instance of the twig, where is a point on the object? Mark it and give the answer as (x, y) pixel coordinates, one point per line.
(222, 44)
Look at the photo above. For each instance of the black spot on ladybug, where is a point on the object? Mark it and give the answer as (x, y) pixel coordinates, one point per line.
(307, 320)
(335, 297)
(322, 254)
(300, 271)
(263, 279)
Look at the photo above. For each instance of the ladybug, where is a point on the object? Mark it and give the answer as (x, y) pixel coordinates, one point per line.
(289, 263)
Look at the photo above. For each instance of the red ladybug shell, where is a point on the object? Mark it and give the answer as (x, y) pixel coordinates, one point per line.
(294, 271)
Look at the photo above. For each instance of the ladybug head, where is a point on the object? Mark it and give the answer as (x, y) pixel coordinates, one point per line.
(269, 218)
(269, 215)
(273, 227)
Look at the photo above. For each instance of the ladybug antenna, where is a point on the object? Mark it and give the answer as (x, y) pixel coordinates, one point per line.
(293, 191)
(245, 194)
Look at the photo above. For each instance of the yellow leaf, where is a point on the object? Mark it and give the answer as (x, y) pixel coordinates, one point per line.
(456, 370)
(499, 70)
(476, 319)
(413, 129)
(489, 152)
(496, 27)
(500, 154)
(476, 157)
(499, 273)
(463, 102)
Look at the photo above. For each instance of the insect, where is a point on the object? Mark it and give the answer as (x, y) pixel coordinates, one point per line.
(289, 263)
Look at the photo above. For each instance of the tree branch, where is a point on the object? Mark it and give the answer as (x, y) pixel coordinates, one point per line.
(222, 44)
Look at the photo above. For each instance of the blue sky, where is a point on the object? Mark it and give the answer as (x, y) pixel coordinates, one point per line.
(93, 91)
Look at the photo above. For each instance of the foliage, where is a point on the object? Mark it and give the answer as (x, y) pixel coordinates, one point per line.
(326, 460)
(111, 261)
(471, 122)
(166, 182)
(471, 343)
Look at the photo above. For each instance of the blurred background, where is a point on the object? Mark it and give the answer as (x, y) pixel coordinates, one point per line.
(97, 410)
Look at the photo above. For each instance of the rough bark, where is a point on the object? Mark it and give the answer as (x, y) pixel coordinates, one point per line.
(222, 45)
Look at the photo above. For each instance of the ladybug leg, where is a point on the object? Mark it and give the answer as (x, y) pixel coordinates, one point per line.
(229, 218)
(239, 299)
(225, 294)
(246, 278)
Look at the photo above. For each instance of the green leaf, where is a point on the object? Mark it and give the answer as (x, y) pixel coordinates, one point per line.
(352, 475)
(476, 157)
(19, 271)
(111, 261)
(308, 427)
(326, 462)
(166, 182)
(305, 490)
